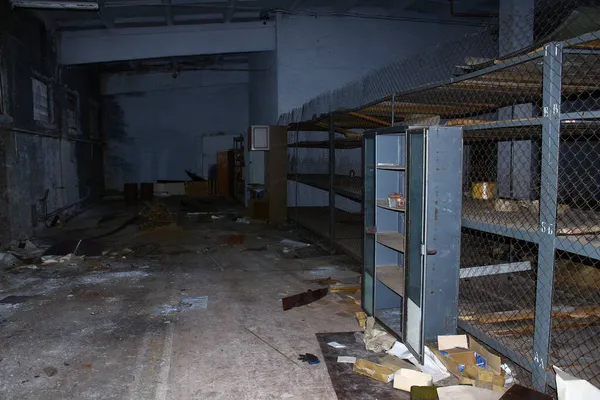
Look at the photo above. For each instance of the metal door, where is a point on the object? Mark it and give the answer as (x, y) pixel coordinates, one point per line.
(415, 239)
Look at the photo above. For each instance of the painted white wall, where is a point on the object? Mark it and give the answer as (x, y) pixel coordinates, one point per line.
(168, 131)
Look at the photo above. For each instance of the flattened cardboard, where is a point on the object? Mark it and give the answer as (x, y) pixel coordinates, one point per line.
(374, 370)
(404, 379)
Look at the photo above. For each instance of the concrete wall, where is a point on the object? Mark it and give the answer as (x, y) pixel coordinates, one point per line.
(42, 156)
(159, 133)
(315, 55)
(263, 88)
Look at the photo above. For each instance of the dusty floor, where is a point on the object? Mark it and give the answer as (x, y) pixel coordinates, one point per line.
(114, 328)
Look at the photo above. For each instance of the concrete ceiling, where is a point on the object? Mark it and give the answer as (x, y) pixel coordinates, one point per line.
(148, 13)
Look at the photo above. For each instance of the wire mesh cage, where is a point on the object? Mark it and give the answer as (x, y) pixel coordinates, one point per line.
(525, 87)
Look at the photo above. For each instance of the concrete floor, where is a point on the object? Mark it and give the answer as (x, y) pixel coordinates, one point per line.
(110, 328)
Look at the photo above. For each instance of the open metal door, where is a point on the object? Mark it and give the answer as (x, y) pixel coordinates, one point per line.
(415, 239)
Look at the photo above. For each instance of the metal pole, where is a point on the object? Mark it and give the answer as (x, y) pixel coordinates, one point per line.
(331, 180)
(393, 109)
(548, 199)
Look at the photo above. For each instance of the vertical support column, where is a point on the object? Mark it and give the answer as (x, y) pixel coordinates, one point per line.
(331, 179)
(548, 200)
(393, 109)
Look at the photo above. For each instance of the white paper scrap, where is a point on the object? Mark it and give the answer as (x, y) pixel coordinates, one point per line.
(346, 359)
(336, 345)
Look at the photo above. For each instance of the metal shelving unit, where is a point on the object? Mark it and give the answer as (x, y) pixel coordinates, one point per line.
(411, 254)
(531, 124)
(342, 228)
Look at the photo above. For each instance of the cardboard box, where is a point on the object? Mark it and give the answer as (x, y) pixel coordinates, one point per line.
(404, 379)
(394, 363)
(374, 370)
(470, 362)
(197, 189)
(361, 318)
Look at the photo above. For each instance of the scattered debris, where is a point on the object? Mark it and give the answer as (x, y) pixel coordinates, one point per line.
(431, 364)
(346, 359)
(309, 358)
(324, 281)
(243, 220)
(342, 287)
(194, 303)
(232, 239)
(373, 370)
(293, 243)
(404, 379)
(156, 216)
(470, 362)
(8, 260)
(50, 371)
(394, 363)
(302, 299)
(336, 345)
(216, 217)
(361, 318)
(377, 340)
(66, 259)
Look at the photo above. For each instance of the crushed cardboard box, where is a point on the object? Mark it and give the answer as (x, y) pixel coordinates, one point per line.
(361, 318)
(373, 370)
(470, 362)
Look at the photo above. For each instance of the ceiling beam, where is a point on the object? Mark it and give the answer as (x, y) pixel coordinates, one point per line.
(168, 12)
(93, 46)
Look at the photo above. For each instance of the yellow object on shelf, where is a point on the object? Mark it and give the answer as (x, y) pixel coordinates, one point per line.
(483, 190)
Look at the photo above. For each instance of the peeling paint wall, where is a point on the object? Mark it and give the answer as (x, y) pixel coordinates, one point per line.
(43, 156)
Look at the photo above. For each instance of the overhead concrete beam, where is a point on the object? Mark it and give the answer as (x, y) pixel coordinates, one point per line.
(106, 45)
(114, 84)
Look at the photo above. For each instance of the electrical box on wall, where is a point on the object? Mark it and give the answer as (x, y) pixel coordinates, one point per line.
(259, 137)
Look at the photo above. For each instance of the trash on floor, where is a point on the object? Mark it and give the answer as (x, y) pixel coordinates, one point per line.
(394, 363)
(293, 243)
(339, 287)
(66, 259)
(8, 260)
(336, 345)
(346, 359)
(194, 303)
(361, 318)
(569, 387)
(462, 392)
(302, 299)
(431, 364)
(309, 358)
(470, 362)
(374, 370)
(242, 220)
(518, 392)
(155, 216)
(404, 379)
(375, 339)
(232, 239)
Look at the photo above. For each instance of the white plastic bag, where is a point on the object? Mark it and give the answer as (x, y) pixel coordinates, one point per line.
(431, 366)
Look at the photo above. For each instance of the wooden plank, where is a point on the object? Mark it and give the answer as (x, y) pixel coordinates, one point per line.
(560, 325)
(277, 174)
(391, 276)
(393, 240)
(528, 314)
(487, 270)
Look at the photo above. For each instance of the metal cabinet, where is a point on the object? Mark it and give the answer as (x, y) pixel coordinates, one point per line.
(412, 223)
